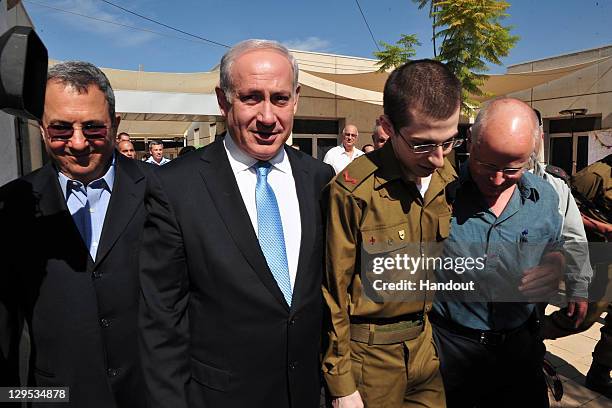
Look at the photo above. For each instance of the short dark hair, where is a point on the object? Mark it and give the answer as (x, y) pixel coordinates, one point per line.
(424, 86)
(80, 75)
(155, 143)
(185, 150)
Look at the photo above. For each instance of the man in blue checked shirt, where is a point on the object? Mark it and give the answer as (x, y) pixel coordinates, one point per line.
(490, 351)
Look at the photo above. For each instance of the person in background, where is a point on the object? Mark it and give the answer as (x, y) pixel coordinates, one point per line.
(156, 149)
(340, 156)
(185, 150)
(579, 271)
(122, 137)
(126, 148)
(379, 136)
(368, 148)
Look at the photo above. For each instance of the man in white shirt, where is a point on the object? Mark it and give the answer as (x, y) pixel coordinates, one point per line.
(340, 156)
(156, 149)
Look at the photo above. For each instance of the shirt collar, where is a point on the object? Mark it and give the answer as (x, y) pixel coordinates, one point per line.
(240, 161)
(390, 169)
(108, 178)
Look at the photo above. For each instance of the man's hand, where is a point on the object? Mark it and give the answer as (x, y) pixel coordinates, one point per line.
(350, 401)
(577, 309)
(542, 282)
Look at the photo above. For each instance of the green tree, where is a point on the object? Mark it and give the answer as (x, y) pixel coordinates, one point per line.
(470, 34)
(395, 55)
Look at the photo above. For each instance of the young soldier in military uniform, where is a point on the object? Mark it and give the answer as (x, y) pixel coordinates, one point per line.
(382, 354)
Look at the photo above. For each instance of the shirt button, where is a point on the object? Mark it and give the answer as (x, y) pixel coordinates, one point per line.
(111, 372)
(104, 323)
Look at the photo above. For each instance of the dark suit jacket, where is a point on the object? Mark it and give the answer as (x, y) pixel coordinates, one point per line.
(216, 330)
(81, 315)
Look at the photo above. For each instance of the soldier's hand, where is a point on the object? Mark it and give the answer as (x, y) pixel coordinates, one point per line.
(350, 401)
(542, 282)
(577, 309)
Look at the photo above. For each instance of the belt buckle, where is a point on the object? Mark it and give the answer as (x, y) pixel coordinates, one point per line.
(491, 339)
(372, 331)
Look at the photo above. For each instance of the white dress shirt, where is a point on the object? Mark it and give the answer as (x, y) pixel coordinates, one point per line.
(161, 162)
(281, 180)
(338, 157)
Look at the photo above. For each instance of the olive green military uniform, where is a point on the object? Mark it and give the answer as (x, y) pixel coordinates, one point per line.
(385, 349)
(595, 184)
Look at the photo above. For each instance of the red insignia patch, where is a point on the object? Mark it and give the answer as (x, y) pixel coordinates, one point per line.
(348, 178)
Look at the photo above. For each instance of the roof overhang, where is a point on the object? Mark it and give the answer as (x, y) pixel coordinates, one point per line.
(353, 85)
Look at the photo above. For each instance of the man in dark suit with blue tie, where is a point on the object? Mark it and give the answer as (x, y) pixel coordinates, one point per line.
(233, 253)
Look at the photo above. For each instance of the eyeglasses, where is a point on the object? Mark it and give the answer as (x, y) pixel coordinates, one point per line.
(431, 147)
(350, 134)
(64, 132)
(507, 171)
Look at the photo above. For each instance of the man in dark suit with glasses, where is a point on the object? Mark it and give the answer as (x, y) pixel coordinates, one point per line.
(71, 230)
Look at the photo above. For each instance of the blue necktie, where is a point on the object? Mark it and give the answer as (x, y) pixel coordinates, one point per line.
(82, 216)
(270, 230)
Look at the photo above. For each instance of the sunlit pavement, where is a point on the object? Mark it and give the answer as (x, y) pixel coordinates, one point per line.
(571, 356)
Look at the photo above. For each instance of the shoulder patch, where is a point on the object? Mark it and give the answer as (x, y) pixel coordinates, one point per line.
(558, 172)
(355, 173)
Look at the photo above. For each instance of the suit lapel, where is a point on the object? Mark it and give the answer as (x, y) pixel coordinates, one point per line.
(49, 193)
(126, 197)
(306, 199)
(52, 206)
(219, 179)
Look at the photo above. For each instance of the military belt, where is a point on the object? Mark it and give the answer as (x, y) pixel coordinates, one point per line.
(392, 333)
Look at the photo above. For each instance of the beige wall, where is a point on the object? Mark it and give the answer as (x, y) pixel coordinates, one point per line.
(315, 104)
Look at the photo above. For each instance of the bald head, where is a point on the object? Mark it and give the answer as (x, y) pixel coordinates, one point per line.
(507, 126)
(349, 137)
(503, 138)
(126, 148)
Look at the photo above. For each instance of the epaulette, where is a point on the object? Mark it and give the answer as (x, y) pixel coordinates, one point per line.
(558, 172)
(355, 173)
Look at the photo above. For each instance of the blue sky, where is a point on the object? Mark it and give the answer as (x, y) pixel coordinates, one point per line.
(546, 28)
